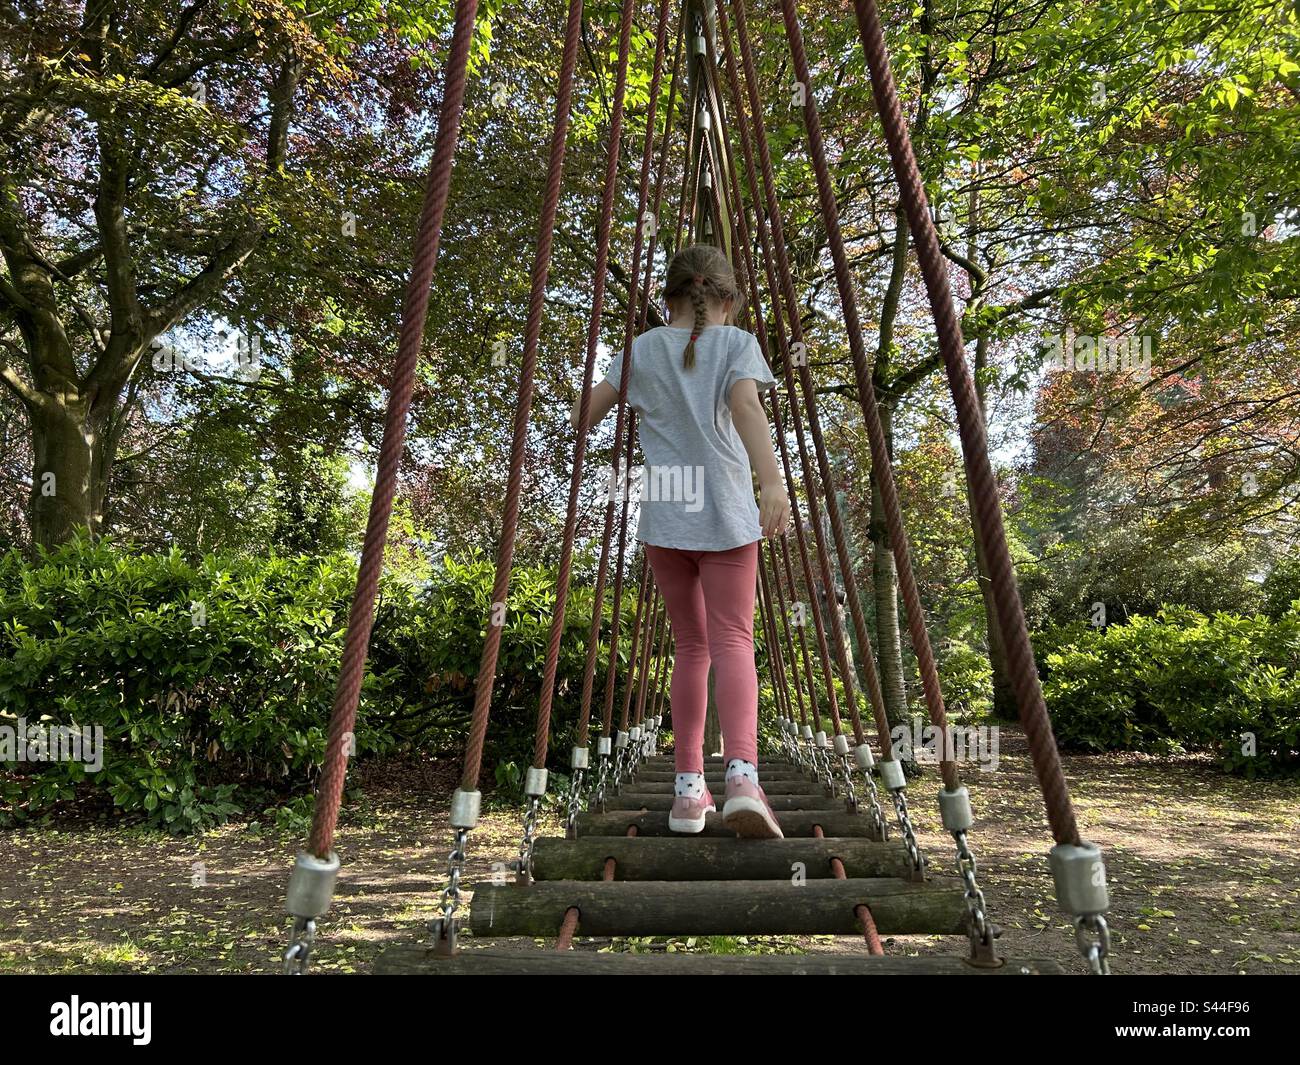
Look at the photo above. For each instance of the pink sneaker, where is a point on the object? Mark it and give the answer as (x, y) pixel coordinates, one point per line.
(687, 815)
(747, 813)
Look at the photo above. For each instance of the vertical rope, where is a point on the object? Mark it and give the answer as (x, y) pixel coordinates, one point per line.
(880, 460)
(974, 439)
(523, 407)
(414, 310)
(805, 379)
(603, 220)
(803, 634)
(779, 607)
(647, 660)
(622, 464)
(633, 651)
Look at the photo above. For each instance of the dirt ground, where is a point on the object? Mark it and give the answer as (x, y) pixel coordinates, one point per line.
(1204, 874)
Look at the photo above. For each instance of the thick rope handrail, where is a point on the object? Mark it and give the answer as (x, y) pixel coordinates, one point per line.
(771, 637)
(532, 332)
(599, 273)
(974, 439)
(401, 387)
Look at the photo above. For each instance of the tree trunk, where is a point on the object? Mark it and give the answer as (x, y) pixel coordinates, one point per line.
(1004, 695)
(712, 729)
(72, 455)
(884, 579)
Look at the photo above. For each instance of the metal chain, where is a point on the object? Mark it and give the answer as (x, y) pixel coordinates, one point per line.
(444, 926)
(981, 932)
(877, 811)
(648, 742)
(602, 779)
(574, 800)
(794, 750)
(301, 941)
(524, 865)
(909, 832)
(1092, 936)
(619, 757)
(791, 748)
(873, 795)
(822, 760)
(850, 792)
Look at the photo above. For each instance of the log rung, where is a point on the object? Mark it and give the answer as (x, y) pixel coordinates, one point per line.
(719, 907)
(696, 859)
(793, 823)
(718, 780)
(664, 801)
(472, 961)
(770, 788)
(716, 765)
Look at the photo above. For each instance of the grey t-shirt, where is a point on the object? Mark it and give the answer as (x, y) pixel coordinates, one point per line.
(696, 491)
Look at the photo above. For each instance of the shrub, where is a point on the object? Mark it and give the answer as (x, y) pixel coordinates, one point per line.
(1225, 682)
(213, 680)
(1281, 587)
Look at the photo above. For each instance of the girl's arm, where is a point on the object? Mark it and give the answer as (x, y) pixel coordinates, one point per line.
(750, 419)
(603, 398)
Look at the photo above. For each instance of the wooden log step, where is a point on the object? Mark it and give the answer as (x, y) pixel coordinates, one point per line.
(667, 761)
(661, 776)
(471, 961)
(770, 787)
(664, 801)
(719, 907)
(655, 823)
(686, 858)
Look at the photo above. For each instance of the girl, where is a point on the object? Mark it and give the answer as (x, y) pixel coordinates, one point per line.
(695, 388)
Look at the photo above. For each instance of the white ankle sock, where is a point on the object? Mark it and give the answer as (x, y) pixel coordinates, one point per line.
(738, 767)
(689, 785)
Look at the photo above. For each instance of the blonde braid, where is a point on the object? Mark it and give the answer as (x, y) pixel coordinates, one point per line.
(701, 308)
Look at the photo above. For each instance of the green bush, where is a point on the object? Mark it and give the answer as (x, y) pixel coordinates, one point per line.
(212, 681)
(1281, 587)
(1181, 680)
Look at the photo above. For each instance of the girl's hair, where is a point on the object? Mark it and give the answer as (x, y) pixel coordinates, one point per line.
(701, 272)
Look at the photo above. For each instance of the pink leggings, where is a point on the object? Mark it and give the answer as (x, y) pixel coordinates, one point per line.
(710, 600)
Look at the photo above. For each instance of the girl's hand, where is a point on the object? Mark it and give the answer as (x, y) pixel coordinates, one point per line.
(773, 508)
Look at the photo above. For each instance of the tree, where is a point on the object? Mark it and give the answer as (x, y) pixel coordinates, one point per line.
(167, 160)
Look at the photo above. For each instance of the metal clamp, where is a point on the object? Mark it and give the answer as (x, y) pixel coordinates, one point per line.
(311, 884)
(955, 811)
(535, 782)
(310, 891)
(1080, 875)
(465, 808)
(892, 775)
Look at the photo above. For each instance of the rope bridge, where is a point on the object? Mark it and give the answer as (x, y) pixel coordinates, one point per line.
(618, 871)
